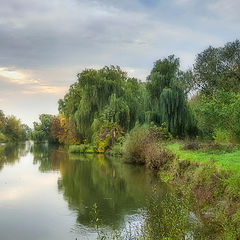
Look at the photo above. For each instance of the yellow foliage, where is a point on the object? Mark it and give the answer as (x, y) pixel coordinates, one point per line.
(69, 132)
(103, 144)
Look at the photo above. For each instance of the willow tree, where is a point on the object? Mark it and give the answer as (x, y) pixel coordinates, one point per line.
(102, 95)
(168, 100)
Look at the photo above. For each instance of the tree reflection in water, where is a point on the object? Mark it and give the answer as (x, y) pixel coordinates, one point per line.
(11, 152)
(117, 189)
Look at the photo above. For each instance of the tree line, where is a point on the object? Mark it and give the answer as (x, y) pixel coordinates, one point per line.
(103, 105)
(12, 130)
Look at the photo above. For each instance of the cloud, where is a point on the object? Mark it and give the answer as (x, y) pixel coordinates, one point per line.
(27, 84)
(45, 90)
(226, 10)
(44, 44)
(16, 76)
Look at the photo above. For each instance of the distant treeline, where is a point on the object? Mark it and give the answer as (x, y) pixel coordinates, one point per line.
(12, 130)
(105, 104)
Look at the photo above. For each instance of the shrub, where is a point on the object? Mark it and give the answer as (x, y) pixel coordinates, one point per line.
(142, 146)
(222, 136)
(117, 150)
(135, 144)
(157, 157)
(159, 133)
(106, 136)
(233, 185)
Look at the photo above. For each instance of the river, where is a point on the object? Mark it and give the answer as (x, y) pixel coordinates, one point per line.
(47, 194)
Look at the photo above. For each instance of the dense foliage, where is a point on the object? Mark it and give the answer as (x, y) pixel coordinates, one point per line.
(11, 129)
(99, 96)
(106, 102)
(42, 130)
(218, 69)
(167, 97)
(217, 80)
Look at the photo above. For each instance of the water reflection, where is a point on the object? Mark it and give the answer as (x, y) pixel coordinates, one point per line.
(11, 152)
(47, 156)
(117, 189)
(44, 182)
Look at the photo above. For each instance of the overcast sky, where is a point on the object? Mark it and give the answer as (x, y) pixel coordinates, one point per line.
(45, 43)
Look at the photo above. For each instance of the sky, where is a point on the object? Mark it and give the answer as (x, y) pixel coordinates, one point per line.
(44, 44)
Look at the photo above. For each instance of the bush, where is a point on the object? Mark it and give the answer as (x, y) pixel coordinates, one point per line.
(159, 133)
(157, 157)
(117, 150)
(222, 136)
(135, 144)
(142, 146)
(233, 185)
(106, 136)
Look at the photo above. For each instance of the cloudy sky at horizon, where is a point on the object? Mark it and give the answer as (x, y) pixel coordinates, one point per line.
(44, 44)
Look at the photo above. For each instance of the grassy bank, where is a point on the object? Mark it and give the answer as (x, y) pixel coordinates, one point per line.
(225, 157)
(211, 176)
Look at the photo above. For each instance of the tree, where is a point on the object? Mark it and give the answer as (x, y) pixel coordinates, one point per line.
(2, 121)
(42, 130)
(64, 130)
(102, 95)
(218, 115)
(218, 69)
(13, 129)
(168, 100)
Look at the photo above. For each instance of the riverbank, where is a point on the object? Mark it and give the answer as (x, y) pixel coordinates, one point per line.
(209, 174)
(206, 174)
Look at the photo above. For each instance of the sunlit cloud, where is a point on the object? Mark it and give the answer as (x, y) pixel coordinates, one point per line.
(13, 75)
(29, 85)
(46, 89)
(16, 76)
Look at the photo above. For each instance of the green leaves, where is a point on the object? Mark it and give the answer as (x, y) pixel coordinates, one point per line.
(218, 114)
(218, 68)
(168, 100)
(42, 130)
(104, 95)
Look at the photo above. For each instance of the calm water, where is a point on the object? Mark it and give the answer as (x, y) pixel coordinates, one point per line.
(47, 194)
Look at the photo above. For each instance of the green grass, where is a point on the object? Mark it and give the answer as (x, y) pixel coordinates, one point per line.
(83, 148)
(223, 160)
